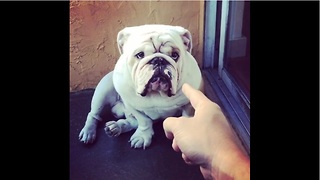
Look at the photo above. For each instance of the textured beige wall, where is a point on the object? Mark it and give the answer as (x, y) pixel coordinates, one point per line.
(94, 26)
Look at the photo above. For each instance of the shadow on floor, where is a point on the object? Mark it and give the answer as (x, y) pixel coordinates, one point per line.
(113, 158)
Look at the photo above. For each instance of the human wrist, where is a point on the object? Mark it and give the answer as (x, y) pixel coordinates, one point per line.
(242, 171)
(231, 164)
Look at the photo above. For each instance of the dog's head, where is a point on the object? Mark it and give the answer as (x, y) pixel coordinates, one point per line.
(154, 56)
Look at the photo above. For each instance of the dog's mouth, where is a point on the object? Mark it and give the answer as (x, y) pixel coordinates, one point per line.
(161, 80)
(158, 83)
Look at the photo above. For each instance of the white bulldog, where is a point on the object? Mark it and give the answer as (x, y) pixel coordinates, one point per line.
(146, 82)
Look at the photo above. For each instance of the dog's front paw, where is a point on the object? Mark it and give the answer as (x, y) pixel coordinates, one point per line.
(88, 133)
(112, 129)
(141, 138)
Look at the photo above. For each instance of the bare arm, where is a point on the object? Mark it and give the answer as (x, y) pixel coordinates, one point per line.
(208, 140)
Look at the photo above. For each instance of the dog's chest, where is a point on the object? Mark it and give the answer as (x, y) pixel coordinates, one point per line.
(161, 113)
(154, 108)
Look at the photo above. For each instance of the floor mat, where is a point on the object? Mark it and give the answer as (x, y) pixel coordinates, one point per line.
(113, 158)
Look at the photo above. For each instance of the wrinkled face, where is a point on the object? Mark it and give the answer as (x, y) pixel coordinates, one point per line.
(154, 60)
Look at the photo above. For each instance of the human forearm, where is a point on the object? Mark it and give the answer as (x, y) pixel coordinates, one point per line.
(234, 165)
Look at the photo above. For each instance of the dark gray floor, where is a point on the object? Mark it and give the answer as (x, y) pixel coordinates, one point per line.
(113, 158)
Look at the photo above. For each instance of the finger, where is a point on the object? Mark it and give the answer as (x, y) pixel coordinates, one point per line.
(195, 96)
(206, 173)
(175, 147)
(169, 125)
(186, 159)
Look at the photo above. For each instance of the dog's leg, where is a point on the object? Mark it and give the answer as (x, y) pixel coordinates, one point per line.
(142, 137)
(115, 128)
(134, 120)
(104, 95)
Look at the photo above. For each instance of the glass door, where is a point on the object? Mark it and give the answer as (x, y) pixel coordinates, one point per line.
(237, 57)
(227, 60)
(234, 57)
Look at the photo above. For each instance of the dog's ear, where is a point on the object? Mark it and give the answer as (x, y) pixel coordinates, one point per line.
(184, 33)
(186, 37)
(122, 38)
(187, 40)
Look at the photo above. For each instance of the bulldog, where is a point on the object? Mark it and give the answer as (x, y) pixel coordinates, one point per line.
(145, 85)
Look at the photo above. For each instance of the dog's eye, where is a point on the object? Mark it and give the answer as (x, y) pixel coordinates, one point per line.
(140, 55)
(175, 56)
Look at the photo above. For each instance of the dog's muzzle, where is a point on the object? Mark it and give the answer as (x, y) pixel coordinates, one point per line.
(161, 78)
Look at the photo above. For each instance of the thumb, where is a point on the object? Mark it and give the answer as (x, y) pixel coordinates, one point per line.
(170, 126)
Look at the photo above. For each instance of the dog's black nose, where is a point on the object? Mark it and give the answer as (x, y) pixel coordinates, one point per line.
(158, 61)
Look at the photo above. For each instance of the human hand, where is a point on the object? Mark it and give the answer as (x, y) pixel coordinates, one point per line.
(207, 139)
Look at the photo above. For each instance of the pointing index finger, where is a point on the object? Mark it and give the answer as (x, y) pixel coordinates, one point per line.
(195, 96)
